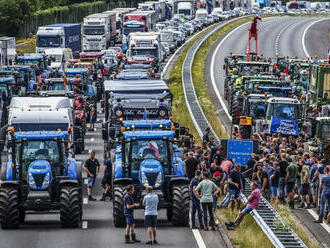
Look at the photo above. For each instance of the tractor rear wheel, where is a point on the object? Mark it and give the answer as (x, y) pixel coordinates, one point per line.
(9, 207)
(180, 205)
(118, 206)
(70, 206)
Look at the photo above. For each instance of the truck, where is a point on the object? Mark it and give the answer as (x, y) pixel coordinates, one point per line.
(99, 31)
(148, 18)
(7, 50)
(61, 35)
(184, 7)
(145, 44)
(157, 6)
(40, 175)
(58, 56)
(120, 13)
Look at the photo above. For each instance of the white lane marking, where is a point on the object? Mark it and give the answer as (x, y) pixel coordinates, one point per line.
(85, 200)
(305, 32)
(199, 239)
(315, 216)
(92, 139)
(86, 181)
(217, 92)
(277, 41)
(84, 224)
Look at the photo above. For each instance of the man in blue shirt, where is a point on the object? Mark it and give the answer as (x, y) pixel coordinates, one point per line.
(195, 203)
(325, 195)
(129, 206)
(150, 201)
(235, 186)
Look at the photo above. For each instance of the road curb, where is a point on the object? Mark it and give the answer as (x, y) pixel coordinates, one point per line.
(223, 233)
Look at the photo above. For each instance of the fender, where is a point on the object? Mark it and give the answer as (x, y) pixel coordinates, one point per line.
(4, 183)
(179, 180)
(123, 181)
(68, 181)
(72, 168)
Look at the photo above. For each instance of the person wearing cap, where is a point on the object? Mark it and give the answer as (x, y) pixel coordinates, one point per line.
(150, 201)
(204, 192)
(92, 168)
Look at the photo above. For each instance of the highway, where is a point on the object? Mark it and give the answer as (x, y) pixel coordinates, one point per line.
(278, 35)
(285, 35)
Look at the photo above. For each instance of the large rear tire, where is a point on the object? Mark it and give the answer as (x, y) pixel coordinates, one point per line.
(180, 205)
(9, 207)
(70, 207)
(118, 206)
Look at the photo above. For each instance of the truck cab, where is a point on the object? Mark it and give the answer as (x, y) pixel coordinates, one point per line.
(58, 56)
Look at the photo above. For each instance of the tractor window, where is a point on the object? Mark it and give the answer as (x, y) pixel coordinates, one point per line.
(3, 88)
(284, 110)
(50, 150)
(149, 149)
(323, 131)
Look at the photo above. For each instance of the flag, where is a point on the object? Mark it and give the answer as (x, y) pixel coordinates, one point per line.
(154, 147)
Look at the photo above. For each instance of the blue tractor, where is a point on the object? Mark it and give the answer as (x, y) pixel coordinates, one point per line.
(40, 176)
(151, 158)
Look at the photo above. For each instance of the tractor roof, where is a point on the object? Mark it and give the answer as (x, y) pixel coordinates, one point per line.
(147, 123)
(6, 80)
(135, 85)
(75, 71)
(40, 103)
(148, 134)
(41, 135)
(16, 67)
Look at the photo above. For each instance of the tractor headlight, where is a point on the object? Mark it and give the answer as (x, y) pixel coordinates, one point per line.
(31, 182)
(119, 112)
(144, 180)
(46, 182)
(162, 113)
(159, 180)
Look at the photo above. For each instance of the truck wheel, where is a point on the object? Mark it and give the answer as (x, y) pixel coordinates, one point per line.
(9, 207)
(180, 205)
(70, 207)
(118, 206)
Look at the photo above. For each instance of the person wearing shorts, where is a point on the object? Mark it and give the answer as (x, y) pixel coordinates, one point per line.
(234, 186)
(150, 201)
(92, 168)
(253, 203)
(129, 206)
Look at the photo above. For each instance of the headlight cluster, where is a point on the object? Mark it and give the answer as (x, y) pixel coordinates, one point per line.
(46, 182)
(31, 182)
(119, 112)
(144, 180)
(162, 113)
(159, 180)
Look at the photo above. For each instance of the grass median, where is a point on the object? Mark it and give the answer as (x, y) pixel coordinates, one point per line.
(26, 45)
(199, 80)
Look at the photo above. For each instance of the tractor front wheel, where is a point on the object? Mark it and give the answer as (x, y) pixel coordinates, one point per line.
(70, 206)
(9, 207)
(180, 205)
(118, 206)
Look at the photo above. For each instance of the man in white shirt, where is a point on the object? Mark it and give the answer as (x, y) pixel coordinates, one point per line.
(150, 201)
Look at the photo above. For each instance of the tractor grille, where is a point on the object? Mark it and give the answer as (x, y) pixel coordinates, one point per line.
(152, 177)
(39, 179)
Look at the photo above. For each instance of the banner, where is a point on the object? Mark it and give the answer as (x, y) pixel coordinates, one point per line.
(240, 151)
(284, 126)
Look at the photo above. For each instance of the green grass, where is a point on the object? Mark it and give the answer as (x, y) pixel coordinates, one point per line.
(287, 215)
(180, 110)
(29, 47)
(248, 234)
(200, 82)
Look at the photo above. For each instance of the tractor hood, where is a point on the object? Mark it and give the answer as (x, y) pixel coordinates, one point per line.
(151, 173)
(39, 175)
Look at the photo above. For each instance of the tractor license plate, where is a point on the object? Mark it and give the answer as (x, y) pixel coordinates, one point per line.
(245, 122)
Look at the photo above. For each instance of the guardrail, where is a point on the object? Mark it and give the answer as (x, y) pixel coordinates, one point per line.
(270, 222)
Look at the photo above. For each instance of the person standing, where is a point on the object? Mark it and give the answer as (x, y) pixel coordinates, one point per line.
(195, 203)
(106, 180)
(129, 206)
(325, 195)
(235, 186)
(274, 182)
(281, 186)
(92, 168)
(290, 179)
(150, 201)
(206, 135)
(207, 190)
(304, 190)
(191, 165)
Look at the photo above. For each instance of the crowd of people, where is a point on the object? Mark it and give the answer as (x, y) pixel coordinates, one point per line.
(283, 171)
